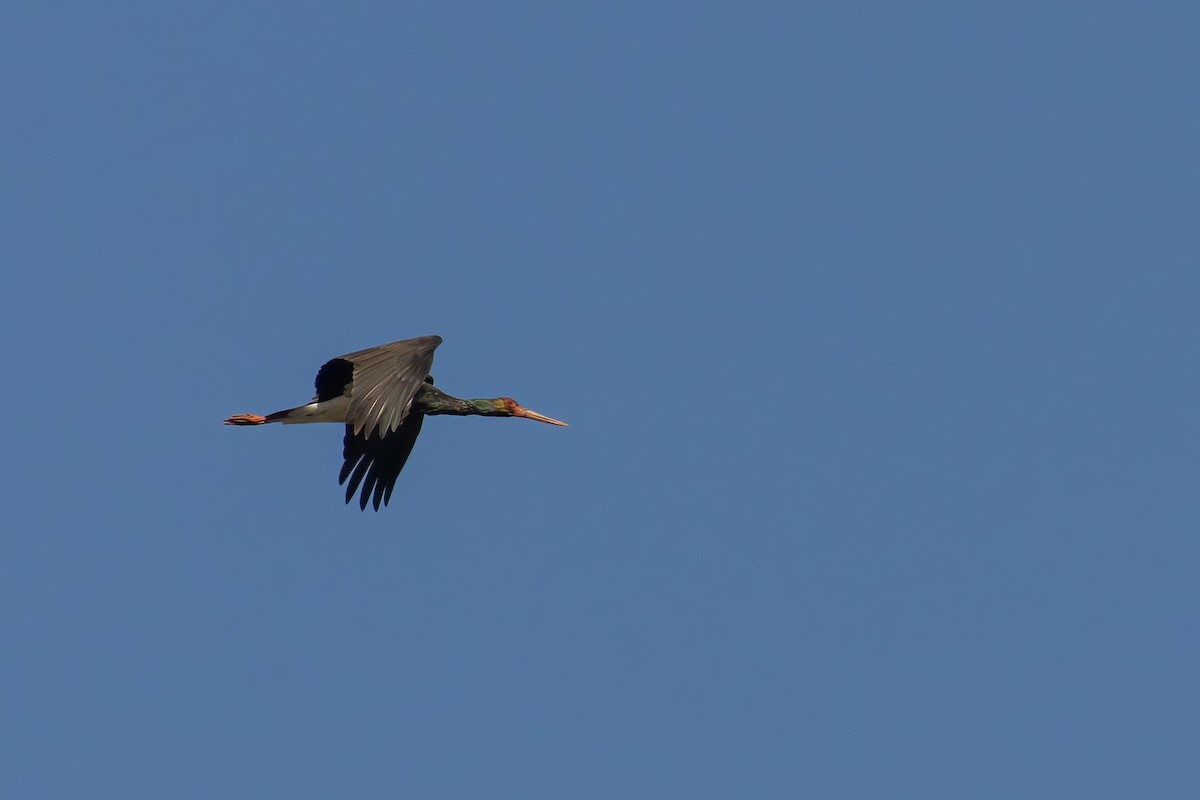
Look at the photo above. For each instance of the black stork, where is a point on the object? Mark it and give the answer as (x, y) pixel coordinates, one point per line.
(383, 394)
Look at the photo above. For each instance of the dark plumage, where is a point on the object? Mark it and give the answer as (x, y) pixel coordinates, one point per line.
(383, 395)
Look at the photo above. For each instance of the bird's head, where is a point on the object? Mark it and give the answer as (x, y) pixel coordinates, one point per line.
(507, 407)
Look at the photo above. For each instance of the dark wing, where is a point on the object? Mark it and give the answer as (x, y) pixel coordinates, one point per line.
(333, 379)
(385, 380)
(380, 433)
(378, 459)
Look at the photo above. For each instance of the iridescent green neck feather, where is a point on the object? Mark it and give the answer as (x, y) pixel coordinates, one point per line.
(431, 401)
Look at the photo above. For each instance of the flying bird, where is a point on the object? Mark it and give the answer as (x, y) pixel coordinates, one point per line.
(383, 395)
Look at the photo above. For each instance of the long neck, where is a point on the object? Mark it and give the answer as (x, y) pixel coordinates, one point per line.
(431, 401)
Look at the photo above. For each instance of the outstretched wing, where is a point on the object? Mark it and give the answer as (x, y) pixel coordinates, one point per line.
(376, 461)
(385, 379)
(380, 432)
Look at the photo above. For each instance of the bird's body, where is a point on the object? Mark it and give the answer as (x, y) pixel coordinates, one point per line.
(383, 395)
(334, 410)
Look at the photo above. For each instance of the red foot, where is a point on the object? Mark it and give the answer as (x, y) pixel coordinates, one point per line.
(245, 419)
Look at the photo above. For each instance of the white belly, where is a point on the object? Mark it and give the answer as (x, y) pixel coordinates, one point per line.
(328, 411)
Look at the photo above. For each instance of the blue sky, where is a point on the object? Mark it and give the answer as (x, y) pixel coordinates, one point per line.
(875, 325)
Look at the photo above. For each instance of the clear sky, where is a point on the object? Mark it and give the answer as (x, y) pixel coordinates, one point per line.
(875, 324)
